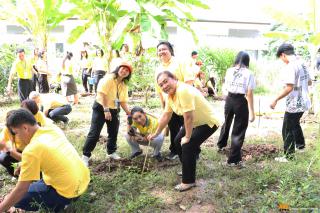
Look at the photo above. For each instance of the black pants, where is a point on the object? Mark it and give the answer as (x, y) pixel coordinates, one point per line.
(188, 152)
(85, 76)
(97, 122)
(292, 134)
(175, 123)
(98, 75)
(43, 83)
(25, 86)
(59, 113)
(236, 107)
(35, 81)
(6, 161)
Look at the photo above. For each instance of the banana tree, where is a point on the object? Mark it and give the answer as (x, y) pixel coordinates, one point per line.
(37, 17)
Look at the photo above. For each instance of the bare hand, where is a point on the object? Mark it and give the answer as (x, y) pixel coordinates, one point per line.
(2, 145)
(151, 137)
(273, 104)
(107, 116)
(252, 117)
(17, 171)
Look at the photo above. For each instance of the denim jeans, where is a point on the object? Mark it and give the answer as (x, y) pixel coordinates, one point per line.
(58, 114)
(42, 196)
(156, 144)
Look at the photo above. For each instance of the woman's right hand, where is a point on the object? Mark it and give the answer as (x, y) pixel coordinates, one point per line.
(107, 116)
(152, 136)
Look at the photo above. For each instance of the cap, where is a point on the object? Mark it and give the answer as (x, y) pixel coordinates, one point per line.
(126, 64)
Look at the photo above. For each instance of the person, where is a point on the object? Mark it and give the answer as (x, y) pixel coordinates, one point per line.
(297, 100)
(34, 61)
(43, 72)
(54, 106)
(11, 146)
(112, 93)
(99, 67)
(64, 176)
(199, 123)
(195, 63)
(23, 68)
(203, 85)
(85, 67)
(239, 108)
(68, 84)
(168, 62)
(141, 126)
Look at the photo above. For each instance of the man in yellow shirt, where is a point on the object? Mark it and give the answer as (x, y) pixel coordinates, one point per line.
(48, 151)
(24, 70)
(53, 105)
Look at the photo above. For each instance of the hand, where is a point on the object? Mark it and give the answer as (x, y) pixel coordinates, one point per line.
(152, 136)
(2, 145)
(252, 117)
(273, 104)
(17, 171)
(107, 116)
(185, 140)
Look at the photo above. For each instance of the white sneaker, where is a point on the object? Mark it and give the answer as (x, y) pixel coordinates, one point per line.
(85, 160)
(114, 156)
(281, 159)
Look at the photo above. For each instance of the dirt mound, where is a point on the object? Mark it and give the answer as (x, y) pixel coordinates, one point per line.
(136, 165)
(256, 151)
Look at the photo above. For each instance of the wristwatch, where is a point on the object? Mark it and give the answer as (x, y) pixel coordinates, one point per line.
(106, 109)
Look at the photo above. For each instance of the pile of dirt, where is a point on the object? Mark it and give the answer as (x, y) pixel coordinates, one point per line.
(136, 165)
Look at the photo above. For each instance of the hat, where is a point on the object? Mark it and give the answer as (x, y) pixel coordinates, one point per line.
(126, 64)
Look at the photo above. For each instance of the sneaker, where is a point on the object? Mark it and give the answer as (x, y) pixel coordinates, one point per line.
(85, 160)
(179, 173)
(136, 154)
(221, 149)
(172, 156)
(281, 159)
(300, 150)
(238, 165)
(158, 157)
(114, 156)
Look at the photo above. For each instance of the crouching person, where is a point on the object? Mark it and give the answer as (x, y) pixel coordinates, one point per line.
(64, 175)
(140, 127)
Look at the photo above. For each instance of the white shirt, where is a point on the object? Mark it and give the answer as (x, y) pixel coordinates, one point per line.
(238, 81)
(298, 75)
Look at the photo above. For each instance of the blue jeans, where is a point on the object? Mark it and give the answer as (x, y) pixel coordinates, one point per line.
(58, 114)
(43, 196)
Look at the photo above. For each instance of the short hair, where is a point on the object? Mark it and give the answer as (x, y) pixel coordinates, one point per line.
(285, 48)
(18, 117)
(137, 109)
(34, 94)
(242, 59)
(30, 105)
(168, 44)
(20, 50)
(168, 73)
(194, 53)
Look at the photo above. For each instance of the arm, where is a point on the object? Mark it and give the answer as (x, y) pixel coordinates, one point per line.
(284, 93)
(107, 114)
(162, 100)
(163, 121)
(188, 124)
(125, 107)
(15, 195)
(249, 97)
(16, 155)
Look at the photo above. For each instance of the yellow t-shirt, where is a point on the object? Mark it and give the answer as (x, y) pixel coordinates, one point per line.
(113, 90)
(68, 69)
(150, 127)
(188, 98)
(52, 101)
(22, 68)
(15, 141)
(181, 70)
(50, 152)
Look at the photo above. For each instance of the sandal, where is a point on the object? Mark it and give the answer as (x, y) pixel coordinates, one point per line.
(184, 187)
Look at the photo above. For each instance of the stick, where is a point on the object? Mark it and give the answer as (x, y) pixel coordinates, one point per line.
(145, 158)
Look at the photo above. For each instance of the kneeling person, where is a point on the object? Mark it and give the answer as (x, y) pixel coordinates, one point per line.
(64, 175)
(55, 106)
(143, 125)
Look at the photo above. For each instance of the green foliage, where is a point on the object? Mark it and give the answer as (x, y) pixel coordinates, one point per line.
(7, 56)
(217, 61)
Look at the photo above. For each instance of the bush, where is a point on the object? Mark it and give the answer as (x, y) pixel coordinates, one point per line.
(216, 61)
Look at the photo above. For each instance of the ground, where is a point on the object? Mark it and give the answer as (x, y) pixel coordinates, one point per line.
(144, 185)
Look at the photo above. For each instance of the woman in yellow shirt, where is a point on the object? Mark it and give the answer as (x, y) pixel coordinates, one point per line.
(99, 67)
(199, 123)
(203, 85)
(112, 93)
(141, 126)
(85, 68)
(11, 146)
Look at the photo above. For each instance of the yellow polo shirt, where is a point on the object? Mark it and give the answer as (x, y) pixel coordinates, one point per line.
(188, 98)
(150, 127)
(181, 70)
(22, 68)
(113, 90)
(52, 101)
(15, 141)
(50, 152)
